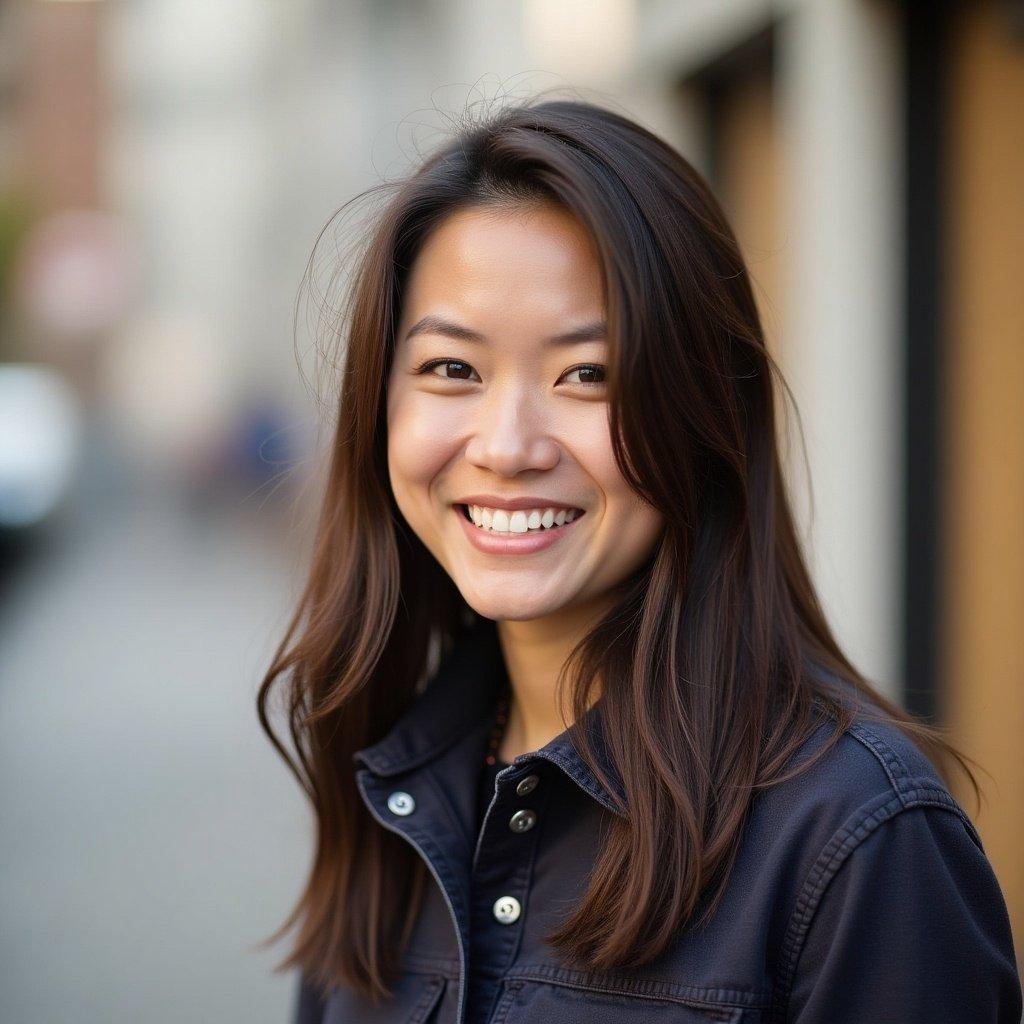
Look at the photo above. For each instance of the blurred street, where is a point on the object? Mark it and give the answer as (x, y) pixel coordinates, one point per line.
(148, 834)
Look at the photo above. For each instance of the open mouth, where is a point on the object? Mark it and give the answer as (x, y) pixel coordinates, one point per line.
(522, 521)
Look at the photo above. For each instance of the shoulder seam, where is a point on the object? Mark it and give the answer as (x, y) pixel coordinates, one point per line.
(835, 853)
(893, 765)
(910, 788)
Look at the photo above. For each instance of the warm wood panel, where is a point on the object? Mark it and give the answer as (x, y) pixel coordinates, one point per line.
(984, 419)
(750, 187)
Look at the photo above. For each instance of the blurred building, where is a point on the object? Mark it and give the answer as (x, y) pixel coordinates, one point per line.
(871, 157)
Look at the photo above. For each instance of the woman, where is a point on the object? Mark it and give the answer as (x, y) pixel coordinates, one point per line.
(579, 741)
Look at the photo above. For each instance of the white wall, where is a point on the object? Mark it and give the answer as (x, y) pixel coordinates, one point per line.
(839, 103)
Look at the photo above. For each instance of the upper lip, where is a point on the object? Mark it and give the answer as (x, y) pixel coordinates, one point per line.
(512, 504)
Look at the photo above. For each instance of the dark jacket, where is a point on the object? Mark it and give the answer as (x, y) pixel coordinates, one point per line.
(861, 892)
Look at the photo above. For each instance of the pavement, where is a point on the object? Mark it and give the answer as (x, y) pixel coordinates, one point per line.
(149, 835)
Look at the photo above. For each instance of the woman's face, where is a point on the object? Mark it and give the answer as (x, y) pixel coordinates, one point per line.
(496, 404)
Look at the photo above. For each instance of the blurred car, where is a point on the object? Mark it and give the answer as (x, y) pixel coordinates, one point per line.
(40, 440)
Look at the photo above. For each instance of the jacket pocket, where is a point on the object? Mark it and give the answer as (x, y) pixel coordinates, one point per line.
(528, 1001)
(414, 997)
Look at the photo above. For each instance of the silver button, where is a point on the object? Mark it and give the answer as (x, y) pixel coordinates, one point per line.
(401, 803)
(527, 785)
(522, 821)
(507, 909)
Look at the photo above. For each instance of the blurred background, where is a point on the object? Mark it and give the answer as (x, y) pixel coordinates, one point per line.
(165, 168)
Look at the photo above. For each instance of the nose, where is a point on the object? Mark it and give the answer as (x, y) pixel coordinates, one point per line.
(510, 435)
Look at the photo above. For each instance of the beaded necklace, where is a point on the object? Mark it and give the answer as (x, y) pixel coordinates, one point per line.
(497, 730)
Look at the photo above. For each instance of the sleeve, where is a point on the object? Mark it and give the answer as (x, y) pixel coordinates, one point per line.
(309, 1007)
(910, 927)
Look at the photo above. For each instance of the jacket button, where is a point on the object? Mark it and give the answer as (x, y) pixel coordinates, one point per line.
(401, 803)
(522, 821)
(527, 785)
(507, 909)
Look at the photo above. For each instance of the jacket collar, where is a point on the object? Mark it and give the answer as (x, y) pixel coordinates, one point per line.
(460, 698)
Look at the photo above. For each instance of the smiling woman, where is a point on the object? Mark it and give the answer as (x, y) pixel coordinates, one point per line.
(580, 743)
(520, 430)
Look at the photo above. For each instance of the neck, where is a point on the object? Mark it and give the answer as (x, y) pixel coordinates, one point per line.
(535, 651)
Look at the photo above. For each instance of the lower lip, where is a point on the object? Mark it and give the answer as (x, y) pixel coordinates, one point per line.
(512, 543)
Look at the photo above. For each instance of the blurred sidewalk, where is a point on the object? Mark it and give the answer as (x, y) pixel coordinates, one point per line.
(148, 833)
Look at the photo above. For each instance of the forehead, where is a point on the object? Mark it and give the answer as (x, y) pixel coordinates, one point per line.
(482, 262)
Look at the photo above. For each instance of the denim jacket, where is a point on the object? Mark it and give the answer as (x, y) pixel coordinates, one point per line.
(861, 891)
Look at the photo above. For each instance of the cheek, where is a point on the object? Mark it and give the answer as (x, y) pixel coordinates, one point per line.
(591, 447)
(633, 524)
(421, 442)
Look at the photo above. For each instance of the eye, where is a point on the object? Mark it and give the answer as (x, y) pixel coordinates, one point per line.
(454, 369)
(590, 374)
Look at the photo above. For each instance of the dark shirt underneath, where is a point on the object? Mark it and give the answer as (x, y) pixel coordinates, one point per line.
(485, 788)
(488, 772)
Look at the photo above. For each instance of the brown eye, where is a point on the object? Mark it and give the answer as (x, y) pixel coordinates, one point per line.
(454, 369)
(587, 375)
(461, 371)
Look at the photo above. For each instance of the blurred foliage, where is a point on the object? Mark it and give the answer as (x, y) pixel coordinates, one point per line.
(18, 213)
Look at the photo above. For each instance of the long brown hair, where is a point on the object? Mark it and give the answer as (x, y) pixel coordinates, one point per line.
(714, 661)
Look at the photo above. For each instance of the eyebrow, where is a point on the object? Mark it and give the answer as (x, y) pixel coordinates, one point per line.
(597, 330)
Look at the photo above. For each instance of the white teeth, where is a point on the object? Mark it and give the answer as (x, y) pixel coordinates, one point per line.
(499, 520)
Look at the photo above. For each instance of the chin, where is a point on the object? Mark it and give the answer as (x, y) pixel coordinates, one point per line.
(508, 607)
